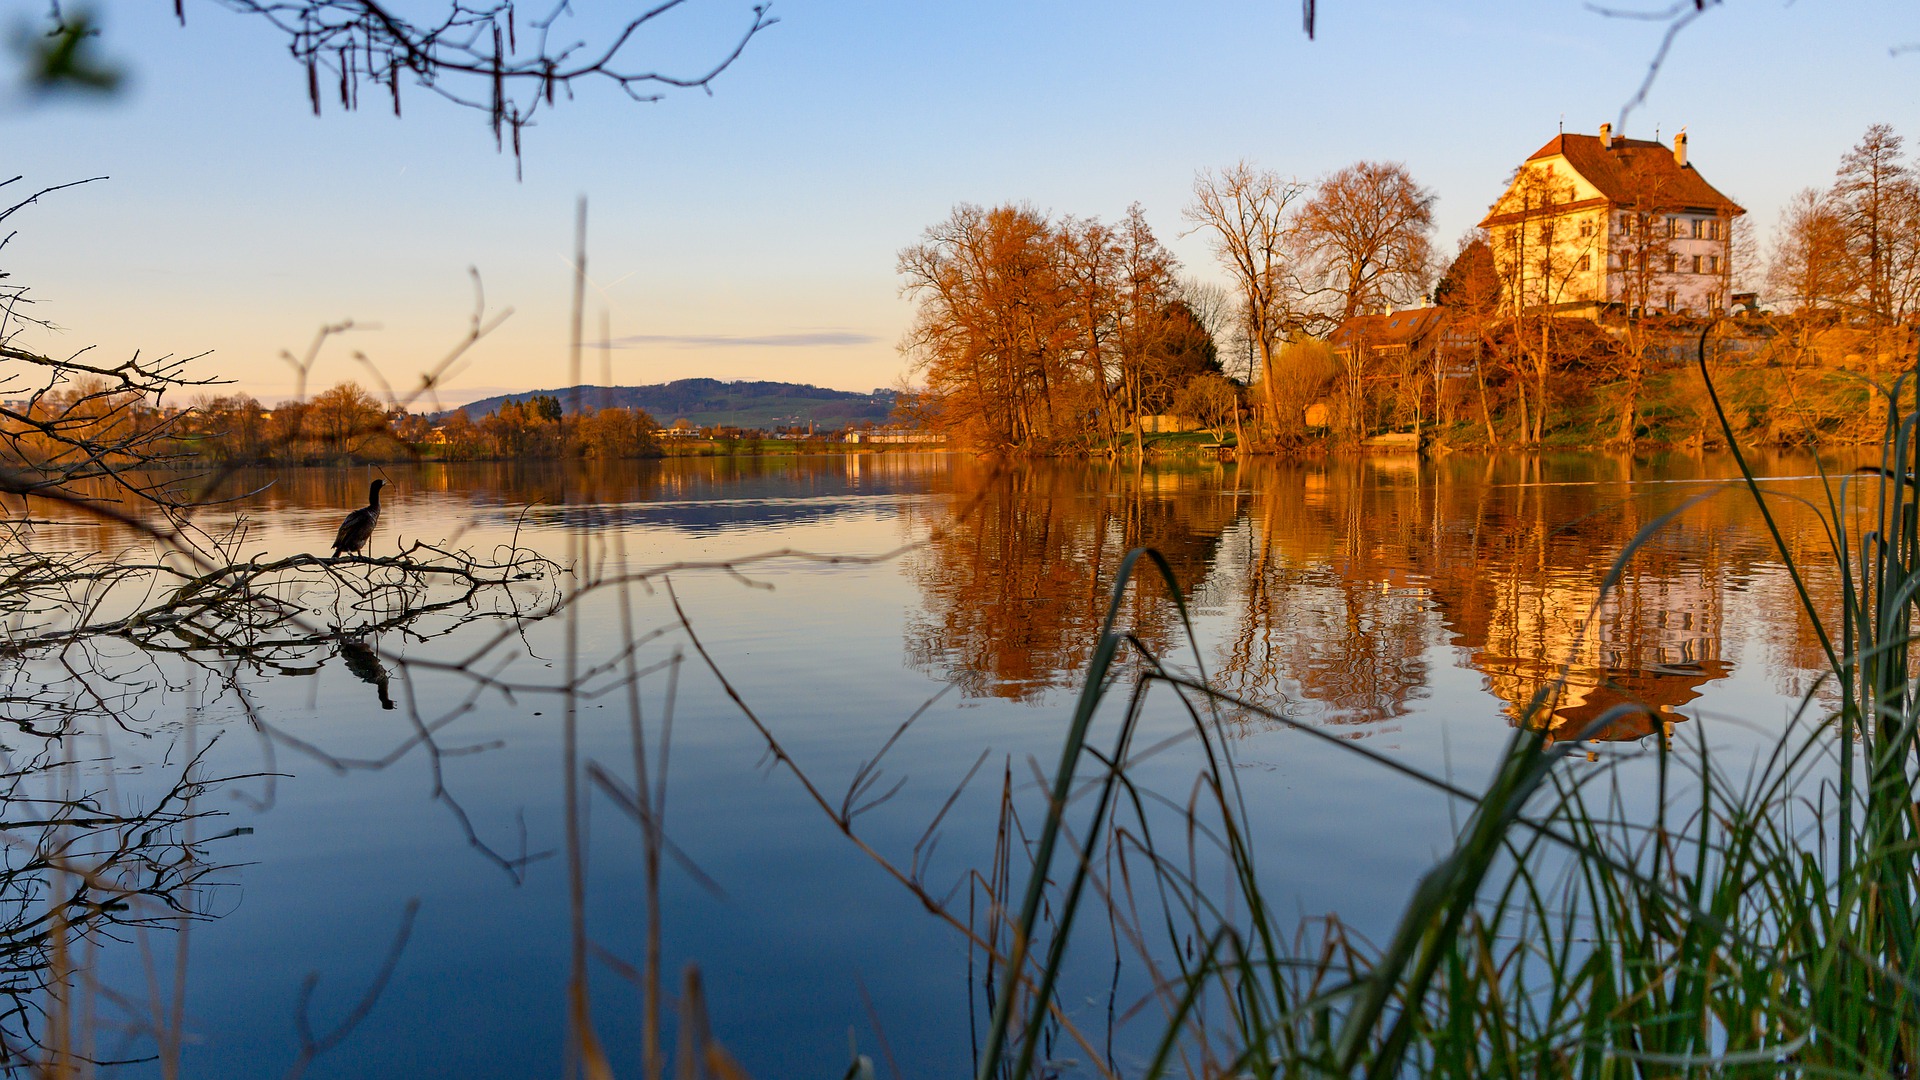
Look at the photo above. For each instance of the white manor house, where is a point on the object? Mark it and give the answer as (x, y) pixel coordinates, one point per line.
(1596, 222)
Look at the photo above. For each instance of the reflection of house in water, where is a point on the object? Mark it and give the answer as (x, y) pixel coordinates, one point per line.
(1653, 643)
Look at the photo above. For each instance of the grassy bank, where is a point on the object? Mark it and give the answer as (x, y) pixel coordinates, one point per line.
(1765, 406)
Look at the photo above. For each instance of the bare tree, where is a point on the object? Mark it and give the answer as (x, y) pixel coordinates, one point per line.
(1810, 273)
(1246, 211)
(1366, 239)
(1870, 194)
(1876, 198)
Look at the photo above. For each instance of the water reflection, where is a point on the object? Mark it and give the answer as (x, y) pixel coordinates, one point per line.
(365, 664)
(1335, 588)
(1016, 575)
(1360, 593)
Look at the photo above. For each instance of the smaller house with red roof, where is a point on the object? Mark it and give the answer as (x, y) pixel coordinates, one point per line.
(1595, 222)
(1394, 337)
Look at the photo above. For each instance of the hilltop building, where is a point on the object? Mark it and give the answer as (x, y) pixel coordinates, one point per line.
(1596, 222)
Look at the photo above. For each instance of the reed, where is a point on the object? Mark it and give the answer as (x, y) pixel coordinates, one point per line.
(1749, 918)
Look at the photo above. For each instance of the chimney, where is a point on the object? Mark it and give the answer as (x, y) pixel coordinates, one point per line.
(1680, 148)
(1606, 136)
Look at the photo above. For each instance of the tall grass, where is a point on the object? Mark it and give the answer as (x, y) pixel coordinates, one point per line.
(1713, 918)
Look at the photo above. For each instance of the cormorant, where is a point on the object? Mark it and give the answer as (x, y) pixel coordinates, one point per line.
(358, 528)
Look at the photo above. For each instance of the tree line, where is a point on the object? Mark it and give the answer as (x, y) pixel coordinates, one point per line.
(1036, 334)
(341, 424)
(1042, 334)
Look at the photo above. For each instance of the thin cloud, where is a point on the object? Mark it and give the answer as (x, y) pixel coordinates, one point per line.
(806, 340)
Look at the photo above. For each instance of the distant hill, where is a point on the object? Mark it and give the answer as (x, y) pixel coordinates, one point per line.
(710, 402)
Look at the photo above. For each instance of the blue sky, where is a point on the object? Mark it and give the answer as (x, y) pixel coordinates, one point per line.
(752, 233)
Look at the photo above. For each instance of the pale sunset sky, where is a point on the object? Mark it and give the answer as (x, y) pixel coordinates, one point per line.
(752, 233)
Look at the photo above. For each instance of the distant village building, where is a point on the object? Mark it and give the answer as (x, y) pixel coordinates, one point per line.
(1591, 222)
(897, 436)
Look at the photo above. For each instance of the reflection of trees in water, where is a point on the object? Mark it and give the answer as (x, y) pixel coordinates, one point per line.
(1336, 581)
(1016, 577)
(1329, 608)
(693, 493)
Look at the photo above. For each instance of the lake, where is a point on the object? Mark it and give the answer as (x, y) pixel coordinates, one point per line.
(420, 776)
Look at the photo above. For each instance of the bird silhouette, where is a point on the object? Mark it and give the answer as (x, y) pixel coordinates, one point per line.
(358, 528)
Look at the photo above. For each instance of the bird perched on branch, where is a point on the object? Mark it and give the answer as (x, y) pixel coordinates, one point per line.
(358, 528)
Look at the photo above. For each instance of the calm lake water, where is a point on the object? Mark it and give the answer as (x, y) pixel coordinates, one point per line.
(1410, 607)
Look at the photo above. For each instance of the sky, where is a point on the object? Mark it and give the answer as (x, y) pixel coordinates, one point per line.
(753, 232)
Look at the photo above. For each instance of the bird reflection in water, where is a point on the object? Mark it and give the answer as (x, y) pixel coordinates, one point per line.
(366, 665)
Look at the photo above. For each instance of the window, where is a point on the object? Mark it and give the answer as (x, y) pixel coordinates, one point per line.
(1674, 226)
(1586, 228)
(1670, 299)
(1696, 264)
(1670, 258)
(1713, 303)
(1586, 262)
(1626, 224)
(1713, 264)
(1713, 229)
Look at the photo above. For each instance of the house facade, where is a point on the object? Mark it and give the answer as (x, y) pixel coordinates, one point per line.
(1606, 222)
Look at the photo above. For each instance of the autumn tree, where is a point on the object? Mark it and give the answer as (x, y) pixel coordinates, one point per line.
(1469, 293)
(992, 335)
(1212, 400)
(619, 433)
(345, 417)
(1149, 360)
(1364, 245)
(1245, 212)
(1090, 259)
(231, 428)
(1648, 273)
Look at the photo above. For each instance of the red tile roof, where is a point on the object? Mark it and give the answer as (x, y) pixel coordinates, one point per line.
(1634, 170)
(1385, 331)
